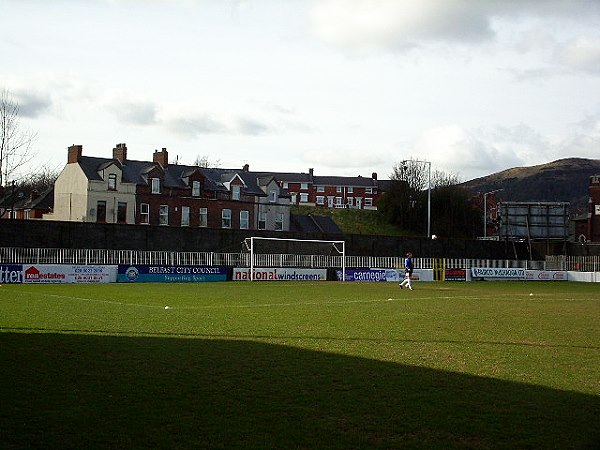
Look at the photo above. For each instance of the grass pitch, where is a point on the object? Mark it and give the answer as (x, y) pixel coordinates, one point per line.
(300, 365)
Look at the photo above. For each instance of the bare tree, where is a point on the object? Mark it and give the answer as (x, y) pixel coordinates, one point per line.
(15, 142)
(206, 162)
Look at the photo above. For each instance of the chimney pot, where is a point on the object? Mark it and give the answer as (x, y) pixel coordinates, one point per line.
(374, 175)
(161, 157)
(120, 153)
(246, 168)
(74, 153)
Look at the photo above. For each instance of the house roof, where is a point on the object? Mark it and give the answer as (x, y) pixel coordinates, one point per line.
(24, 200)
(313, 224)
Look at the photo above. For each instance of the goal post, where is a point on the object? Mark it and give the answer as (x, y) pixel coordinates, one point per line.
(339, 247)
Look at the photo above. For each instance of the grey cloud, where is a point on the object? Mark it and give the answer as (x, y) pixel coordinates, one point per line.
(251, 127)
(141, 113)
(195, 126)
(404, 24)
(32, 104)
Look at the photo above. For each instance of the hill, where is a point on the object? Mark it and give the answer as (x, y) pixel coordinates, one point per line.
(564, 180)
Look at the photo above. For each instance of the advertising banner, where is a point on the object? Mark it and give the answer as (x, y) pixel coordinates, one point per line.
(546, 275)
(518, 274)
(371, 275)
(63, 273)
(281, 274)
(497, 273)
(455, 275)
(11, 273)
(170, 274)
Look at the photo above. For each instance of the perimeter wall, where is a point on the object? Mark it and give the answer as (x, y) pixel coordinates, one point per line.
(55, 234)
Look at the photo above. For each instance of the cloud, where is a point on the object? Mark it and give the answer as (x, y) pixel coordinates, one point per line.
(479, 152)
(332, 160)
(397, 24)
(581, 54)
(136, 113)
(32, 104)
(250, 127)
(391, 25)
(194, 125)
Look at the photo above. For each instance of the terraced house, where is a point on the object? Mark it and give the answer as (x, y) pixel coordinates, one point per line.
(331, 191)
(120, 190)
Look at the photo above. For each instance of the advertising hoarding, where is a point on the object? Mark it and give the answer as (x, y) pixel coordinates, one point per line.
(170, 274)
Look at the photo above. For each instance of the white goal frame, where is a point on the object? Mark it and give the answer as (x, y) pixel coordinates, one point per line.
(255, 238)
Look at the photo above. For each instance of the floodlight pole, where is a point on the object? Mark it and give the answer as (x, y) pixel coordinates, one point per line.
(485, 210)
(428, 192)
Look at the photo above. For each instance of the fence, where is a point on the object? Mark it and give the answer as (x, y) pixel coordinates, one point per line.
(19, 255)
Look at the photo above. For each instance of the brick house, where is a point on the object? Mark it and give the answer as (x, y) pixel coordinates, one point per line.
(592, 228)
(119, 190)
(331, 191)
(23, 205)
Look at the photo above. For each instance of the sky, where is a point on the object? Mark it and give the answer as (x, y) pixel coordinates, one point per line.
(346, 87)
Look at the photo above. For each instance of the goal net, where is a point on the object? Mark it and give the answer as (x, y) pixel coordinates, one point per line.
(301, 253)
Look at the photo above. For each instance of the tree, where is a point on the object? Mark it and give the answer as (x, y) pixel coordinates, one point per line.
(15, 142)
(405, 202)
(205, 162)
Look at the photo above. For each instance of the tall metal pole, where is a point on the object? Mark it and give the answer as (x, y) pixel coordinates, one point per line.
(428, 199)
(428, 190)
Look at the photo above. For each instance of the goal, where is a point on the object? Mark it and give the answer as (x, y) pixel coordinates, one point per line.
(282, 252)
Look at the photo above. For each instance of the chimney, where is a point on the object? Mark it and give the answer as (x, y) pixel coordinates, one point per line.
(120, 153)
(246, 168)
(374, 175)
(161, 157)
(34, 194)
(74, 154)
(310, 171)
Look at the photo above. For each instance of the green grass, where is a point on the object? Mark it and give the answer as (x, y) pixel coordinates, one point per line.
(300, 365)
(355, 221)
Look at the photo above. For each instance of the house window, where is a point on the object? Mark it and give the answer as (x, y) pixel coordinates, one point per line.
(262, 220)
(156, 185)
(203, 217)
(272, 196)
(195, 189)
(244, 220)
(320, 188)
(101, 211)
(226, 218)
(27, 214)
(121, 212)
(338, 189)
(368, 202)
(278, 221)
(350, 190)
(285, 184)
(235, 192)
(304, 186)
(368, 190)
(338, 201)
(350, 201)
(144, 213)
(163, 215)
(185, 216)
(320, 200)
(112, 182)
(303, 197)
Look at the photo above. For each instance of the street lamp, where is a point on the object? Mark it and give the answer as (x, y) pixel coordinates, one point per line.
(485, 210)
(428, 191)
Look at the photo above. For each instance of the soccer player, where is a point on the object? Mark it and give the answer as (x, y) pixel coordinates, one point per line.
(408, 270)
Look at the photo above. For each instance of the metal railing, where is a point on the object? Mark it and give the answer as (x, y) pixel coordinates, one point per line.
(18, 255)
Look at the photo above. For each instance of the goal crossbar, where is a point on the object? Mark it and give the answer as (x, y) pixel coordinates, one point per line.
(318, 241)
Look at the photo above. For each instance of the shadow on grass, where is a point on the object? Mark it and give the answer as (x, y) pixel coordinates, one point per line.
(87, 391)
